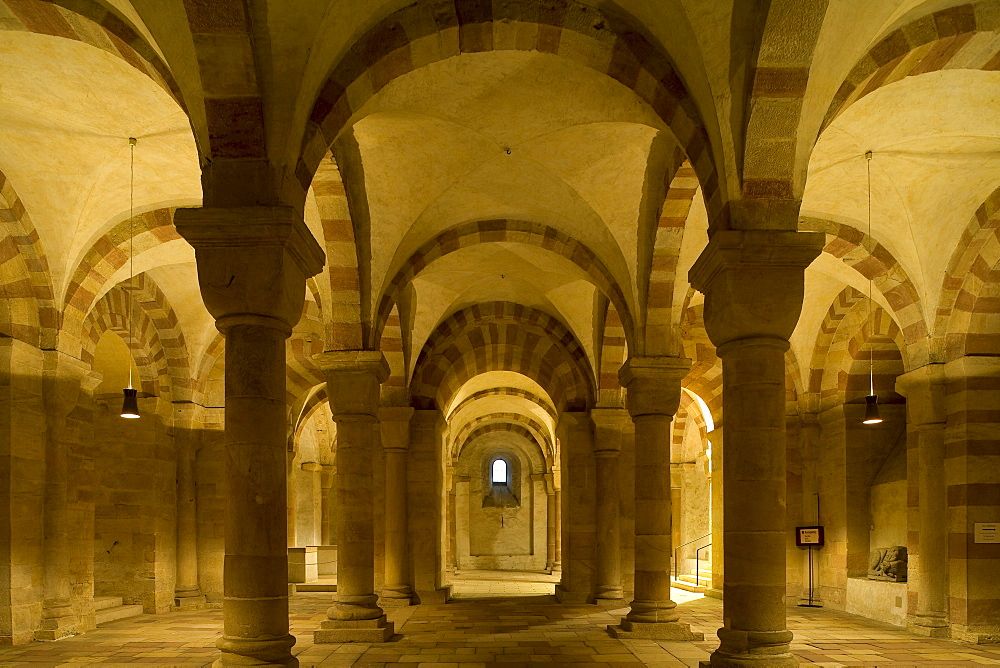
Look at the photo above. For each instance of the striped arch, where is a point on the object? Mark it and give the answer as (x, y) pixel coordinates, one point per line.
(666, 251)
(773, 166)
(508, 231)
(688, 410)
(969, 270)
(977, 312)
(857, 334)
(151, 300)
(502, 422)
(430, 31)
(215, 351)
(842, 304)
(109, 254)
(875, 262)
(233, 105)
(541, 402)
(705, 376)
(89, 22)
(109, 313)
(305, 405)
(614, 352)
(301, 372)
(962, 37)
(344, 318)
(30, 313)
(502, 336)
(391, 345)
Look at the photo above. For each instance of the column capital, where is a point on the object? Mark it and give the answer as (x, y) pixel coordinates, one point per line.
(252, 260)
(753, 282)
(924, 389)
(653, 384)
(64, 378)
(395, 424)
(353, 378)
(609, 423)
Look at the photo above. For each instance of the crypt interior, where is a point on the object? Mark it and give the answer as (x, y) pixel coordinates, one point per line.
(413, 294)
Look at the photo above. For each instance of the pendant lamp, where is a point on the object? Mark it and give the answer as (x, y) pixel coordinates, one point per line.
(871, 401)
(130, 402)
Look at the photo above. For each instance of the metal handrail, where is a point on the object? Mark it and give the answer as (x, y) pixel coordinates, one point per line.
(683, 545)
(697, 568)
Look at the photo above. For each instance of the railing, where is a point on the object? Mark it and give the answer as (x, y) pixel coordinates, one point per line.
(697, 568)
(677, 549)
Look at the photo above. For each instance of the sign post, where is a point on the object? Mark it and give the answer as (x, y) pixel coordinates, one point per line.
(809, 537)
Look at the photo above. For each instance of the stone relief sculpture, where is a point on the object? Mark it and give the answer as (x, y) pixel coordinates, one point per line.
(888, 563)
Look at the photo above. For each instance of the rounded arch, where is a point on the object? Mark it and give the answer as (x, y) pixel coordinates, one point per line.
(875, 262)
(502, 421)
(428, 32)
(144, 341)
(500, 231)
(108, 254)
(544, 403)
(96, 25)
(502, 336)
(30, 308)
(960, 37)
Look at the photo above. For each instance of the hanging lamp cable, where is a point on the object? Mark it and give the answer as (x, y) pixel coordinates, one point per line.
(871, 350)
(131, 254)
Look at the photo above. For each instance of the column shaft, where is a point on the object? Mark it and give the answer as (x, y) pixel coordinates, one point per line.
(932, 596)
(255, 612)
(396, 590)
(559, 529)
(187, 591)
(753, 372)
(550, 519)
(609, 559)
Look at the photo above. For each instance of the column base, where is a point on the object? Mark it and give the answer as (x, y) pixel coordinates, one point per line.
(763, 649)
(611, 603)
(394, 600)
(929, 626)
(55, 628)
(629, 630)
(433, 596)
(189, 599)
(255, 652)
(571, 597)
(714, 593)
(360, 630)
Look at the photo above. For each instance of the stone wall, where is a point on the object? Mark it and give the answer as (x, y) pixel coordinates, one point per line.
(210, 474)
(22, 484)
(135, 507)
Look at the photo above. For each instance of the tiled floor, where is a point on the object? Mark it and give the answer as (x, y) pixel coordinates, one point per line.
(525, 630)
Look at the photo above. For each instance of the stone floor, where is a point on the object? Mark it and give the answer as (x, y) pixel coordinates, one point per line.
(514, 622)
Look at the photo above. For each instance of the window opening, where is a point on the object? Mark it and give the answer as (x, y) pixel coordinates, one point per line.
(499, 473)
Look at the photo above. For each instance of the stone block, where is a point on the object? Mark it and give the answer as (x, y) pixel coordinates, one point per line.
(365, 631)
(629, 630)
(302, 564)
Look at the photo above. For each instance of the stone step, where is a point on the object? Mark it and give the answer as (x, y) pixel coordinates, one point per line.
(106, 615)
(702, 577)
(690, 586)
(315, 586)
(102, 602)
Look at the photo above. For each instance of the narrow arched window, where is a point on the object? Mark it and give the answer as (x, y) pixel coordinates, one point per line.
(499, 473)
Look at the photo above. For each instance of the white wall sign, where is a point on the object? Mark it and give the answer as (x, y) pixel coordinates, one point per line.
(987, 532)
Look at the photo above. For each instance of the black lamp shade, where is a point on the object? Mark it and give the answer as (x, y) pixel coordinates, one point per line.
(871, 410)
(130, 406)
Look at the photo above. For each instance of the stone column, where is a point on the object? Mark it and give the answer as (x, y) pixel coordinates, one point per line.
(187, 592)
(753, 282)
(718, 541)
(352, 385)
(253, 263)
(452, 514)
(653, 393)
(62, 379)
(327, 529)
(924, 389)
(576, 433)
(608, 425)
(550, 519)
(395, 425)
(557, 566)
